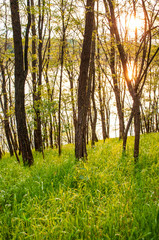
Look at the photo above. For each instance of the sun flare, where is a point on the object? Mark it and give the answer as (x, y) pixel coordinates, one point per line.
(130, 23)
(130, 70)
(130, 73)
(134, 23)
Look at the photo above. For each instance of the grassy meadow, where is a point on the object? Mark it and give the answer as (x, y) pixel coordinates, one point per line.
(105, 197)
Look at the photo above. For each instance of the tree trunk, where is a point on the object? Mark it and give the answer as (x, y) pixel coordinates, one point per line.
(20, 77)
(12, 122)
(37, 123)
(119, 108)
(37, 100)
(61, 75)
(93, 112)
(102, 108)
(0, 153)
(83, 95)
(51, 132)
(136, 127)
(126, 130)
(5, 110)
(72, 99)
(50, 95)
(116, 88)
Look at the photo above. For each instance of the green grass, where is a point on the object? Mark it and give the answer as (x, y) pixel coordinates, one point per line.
(106, 197)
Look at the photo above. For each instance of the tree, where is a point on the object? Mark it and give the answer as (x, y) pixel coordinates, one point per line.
(9, 136)
(21, 70)
(84, 84)
(36, 92)
(0, 153)
(5, 110)
(135, 87)
(93, 110)
(65, 23)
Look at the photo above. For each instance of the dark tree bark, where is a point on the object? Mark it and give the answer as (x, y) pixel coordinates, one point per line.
(100, 85)
(37, 94)
(37, 123)
(101, 103)
(136, 126)
(93, 111)
(67, 124)
(83, 84)
(61, 74)
(12, 118)
(50, 95)
(127, 129)
(9, 136)
(71, 77)
(55, 127)
(106, 101)
(0, 153)
(21, 69)
(5, 110)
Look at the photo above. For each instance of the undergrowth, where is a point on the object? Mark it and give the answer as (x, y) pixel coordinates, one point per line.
(105, 197)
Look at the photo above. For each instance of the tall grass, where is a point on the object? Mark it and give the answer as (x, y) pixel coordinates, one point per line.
(106, 197)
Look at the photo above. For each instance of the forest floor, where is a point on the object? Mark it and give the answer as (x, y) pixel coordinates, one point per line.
(105, 197)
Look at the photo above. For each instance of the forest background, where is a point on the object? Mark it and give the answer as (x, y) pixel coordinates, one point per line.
(75, 71)
(71, 73)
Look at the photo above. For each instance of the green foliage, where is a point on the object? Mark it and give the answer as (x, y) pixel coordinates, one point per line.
(106, 197)
(45, 107)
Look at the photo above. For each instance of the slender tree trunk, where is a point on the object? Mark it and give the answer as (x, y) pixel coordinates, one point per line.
(116, 88)
(126, 130)
(60, 95)
(100, 83)
(93, 112)
(20, 77)
(72, 99)
(50, 96)
(37, 139)
(51, 132)
(55, 126)
(37, 102)
(61, 75)
(0, 153)
(101, 108)
(70, 71)
(46, 141)
(107, 109)
(5, 110)
(12, 125)
(93, 127)
(68, 130)
(136, 127)
(157, 115)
